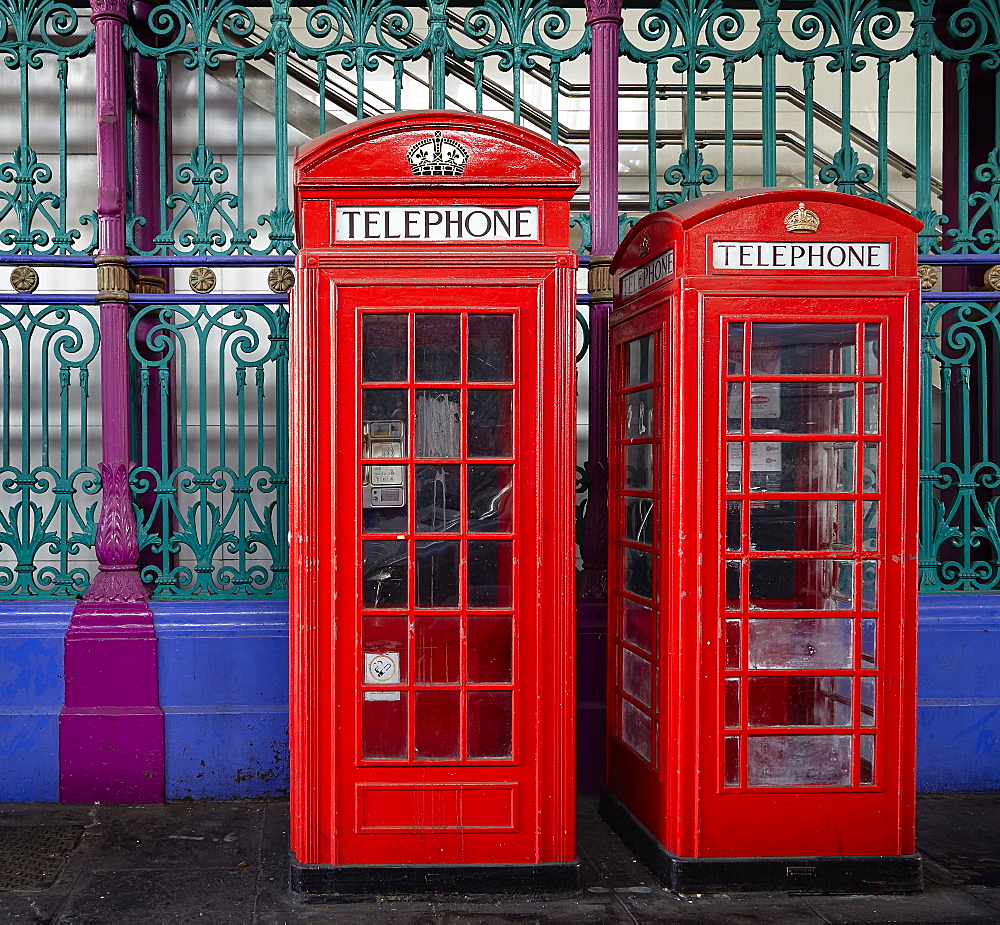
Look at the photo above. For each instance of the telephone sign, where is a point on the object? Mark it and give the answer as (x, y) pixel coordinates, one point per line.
(432, 557)
(762, 543)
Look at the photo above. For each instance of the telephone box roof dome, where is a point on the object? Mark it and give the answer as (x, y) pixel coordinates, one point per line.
(433, 148)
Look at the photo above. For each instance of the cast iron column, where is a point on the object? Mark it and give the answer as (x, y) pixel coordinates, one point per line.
(604, 19)
(111, 728)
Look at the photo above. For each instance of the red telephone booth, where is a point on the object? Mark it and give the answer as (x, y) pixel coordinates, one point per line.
(432, 598)
(763, 539)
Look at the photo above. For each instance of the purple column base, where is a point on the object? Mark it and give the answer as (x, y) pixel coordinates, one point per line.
(591, 693)
(111, 728)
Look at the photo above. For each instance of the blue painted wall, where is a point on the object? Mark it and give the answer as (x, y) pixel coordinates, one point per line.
(31, 695)
(224, 693)
(958, 710)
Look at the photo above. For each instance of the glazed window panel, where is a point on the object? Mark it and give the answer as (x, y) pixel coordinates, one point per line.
(641, 360)
(491, 348)
(437, 348)
(793, 642)
(794, 349)
(384, 347)
(799, 761)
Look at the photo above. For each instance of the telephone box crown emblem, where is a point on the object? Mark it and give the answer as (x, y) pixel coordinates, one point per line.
(437, 157)
(802, 220)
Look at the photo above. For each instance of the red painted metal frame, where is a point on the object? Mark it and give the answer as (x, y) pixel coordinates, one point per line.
(337, 283)
(681, 795)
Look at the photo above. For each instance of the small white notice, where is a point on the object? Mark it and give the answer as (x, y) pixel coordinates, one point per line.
(437, 223)
(817, 256)
(381, 668)
(764, 457)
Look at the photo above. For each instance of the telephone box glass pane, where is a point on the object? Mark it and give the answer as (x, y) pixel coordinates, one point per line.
(734, 407)
(383, 499)
(799, 761)
(801, 466)
(794, 348)
(639, 625)
(786, 701)
(439, 424)
(802, 525)
(801, 643)
(384, 348)
(437, 650)
(734, 590)
(384, 422)
(734, 525)
(490, 422)
(436, 724)
(732, 713)
(639, 414)
(871, 467)
(732, 761)
(438, 509)
(383, 726)
(386, 635)
(868, 642)
(637, 677)
(490, 724)
(639, 520)
(637, 730)
(872, 349)
(384, 570)
(867, 768)
(640, 360)
(867, 701)
(437, 573)
(491, 573)
(639, 467)
(734, 638)
(639, 572)
(869, 526)
(437, 341)
(735, 348)
(491, 348)
(801, 584)
(871, 408)
(802, 408)
(490, 658)
(869, 584)
(490, 503)
(734, 466)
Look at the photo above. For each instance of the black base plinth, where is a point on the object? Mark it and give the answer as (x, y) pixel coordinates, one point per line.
(338, 883)
(878, 874)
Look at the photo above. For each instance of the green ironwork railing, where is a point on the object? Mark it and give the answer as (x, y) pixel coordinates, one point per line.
(311, 70)
(894, 101)
(48, 510)
(212, 478)
(41, 42)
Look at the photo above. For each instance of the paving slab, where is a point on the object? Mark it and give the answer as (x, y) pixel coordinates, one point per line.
(161, 896)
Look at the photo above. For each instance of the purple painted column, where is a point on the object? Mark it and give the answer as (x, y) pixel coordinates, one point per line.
(111, 727)
(604, 19)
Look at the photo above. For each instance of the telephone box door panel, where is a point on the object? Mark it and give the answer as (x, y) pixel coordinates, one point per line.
(803, 503)
(447, 678)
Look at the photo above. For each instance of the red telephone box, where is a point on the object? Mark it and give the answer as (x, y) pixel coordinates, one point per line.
(763, 539)
(432, 581)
